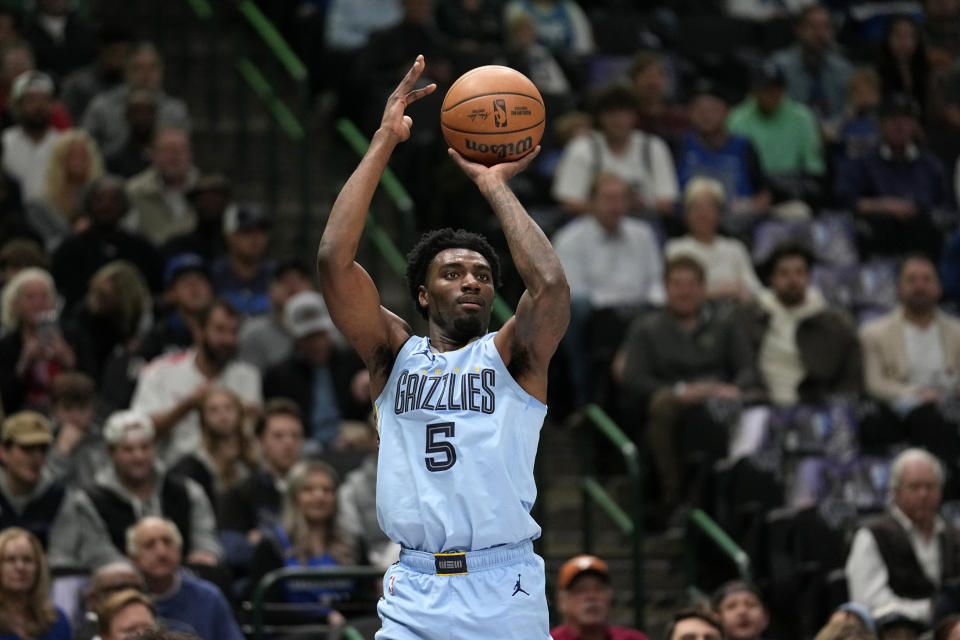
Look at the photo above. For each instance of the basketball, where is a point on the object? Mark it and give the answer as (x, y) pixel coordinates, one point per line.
(492, 114)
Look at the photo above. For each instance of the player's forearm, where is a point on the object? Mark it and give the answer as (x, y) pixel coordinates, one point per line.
(531, 251)
(341, 236)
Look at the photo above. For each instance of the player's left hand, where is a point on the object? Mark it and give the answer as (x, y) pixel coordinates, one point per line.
(501, 172)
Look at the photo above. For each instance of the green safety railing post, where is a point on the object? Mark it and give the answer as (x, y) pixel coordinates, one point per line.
(699, 521)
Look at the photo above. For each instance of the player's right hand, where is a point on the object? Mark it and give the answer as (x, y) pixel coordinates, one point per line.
(394, 120)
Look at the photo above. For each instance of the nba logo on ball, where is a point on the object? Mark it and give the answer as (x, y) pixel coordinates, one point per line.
(492, 114)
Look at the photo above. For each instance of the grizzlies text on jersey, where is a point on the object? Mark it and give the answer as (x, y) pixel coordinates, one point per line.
(458, 439)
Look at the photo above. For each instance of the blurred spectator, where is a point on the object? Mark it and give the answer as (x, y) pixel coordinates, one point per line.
(562, 26)
(912, 356)
(672, 366)
(28, 145)
(309, 536)
(853, 613)
(9, 27)
(242, 276)
(475, 29)
(74, 164)
(350, 23)
(15, 60)
(806, 351)
(763, 11)
(105, 584)
(79, 450)
(225, 457)
(105, 116)
(13, 222)
(784, 133)
(859, 132)
(657, 115)
(17, 255)
(903, 64)
(114, 314)
(169, 389)
(188, 292)
(79, 256)
(62, 39)
(941, 30)
(897, 186)
(535, 61)
(30, 497)
(865, 23)
(155, 546)
(584, 598)
(815, 71)
(694, 624)
(92, 525)
(254, 505)
(641, 160)
(741, 611)
(135, 154)
(158, 194)
(35, 347)
(26, 612)
(614, 269)
(357, 502)
(125, 614)
(895, 625)
(947, 627)
(730, 273)
(103, 74)
(328, 383)
(899, 559)
(709, 149)
(209, 196)
(265, 340)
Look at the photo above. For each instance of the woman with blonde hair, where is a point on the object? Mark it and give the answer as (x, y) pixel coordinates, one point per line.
(35, 348)
(116, 311)
(226, 457)
(309, 536)
(75, 162)
(26, 611)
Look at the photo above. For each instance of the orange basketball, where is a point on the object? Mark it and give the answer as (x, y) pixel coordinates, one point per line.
(492, 114)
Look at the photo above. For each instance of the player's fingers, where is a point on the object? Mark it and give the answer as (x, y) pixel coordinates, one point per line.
(459, 159)
(525, 161)
(412, 74)
(416, 94)
(407, 120)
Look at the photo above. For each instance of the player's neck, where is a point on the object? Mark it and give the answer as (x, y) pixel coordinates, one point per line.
(441, 344)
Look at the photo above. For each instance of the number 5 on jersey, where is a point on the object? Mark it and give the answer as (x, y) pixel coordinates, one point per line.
(440, 454)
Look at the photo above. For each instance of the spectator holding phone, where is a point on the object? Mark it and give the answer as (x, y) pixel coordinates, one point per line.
(34, 350)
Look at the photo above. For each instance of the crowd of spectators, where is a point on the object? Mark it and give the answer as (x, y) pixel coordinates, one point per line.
(756, 207)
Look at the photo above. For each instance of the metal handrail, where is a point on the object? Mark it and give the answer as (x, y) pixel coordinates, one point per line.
(275, 42)
(287, 573)
(630, 522)
(698, 520)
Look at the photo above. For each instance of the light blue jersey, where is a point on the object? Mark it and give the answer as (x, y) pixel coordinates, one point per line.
(458, 439)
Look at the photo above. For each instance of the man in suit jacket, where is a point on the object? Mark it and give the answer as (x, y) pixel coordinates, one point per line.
(912, 358)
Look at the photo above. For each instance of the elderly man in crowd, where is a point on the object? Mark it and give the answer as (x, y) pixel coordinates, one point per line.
(899, 559)
(584, 598)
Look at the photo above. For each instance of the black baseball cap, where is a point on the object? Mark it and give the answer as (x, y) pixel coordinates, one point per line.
(181, 264)
(245, 216)
(769, 74)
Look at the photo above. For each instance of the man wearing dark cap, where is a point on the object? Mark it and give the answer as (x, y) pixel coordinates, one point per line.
(210, 196)
(265, 339)
(584, 597)
(895, 187)
(188, 291)
(29, 497)
(710, 150)
(784, 132)
(243, 275)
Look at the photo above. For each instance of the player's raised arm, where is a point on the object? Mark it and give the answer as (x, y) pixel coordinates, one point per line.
(350, 294)
(528, 340)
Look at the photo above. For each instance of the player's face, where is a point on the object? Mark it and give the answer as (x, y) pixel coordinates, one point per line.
(587, 601)
(742, 616)
(317, 498)
(459, 293)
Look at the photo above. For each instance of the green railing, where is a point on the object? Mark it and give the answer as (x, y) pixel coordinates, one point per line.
(700, 523)
(298, 573)
(629, 522)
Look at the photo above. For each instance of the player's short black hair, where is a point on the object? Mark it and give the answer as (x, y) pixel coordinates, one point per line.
(433, 242)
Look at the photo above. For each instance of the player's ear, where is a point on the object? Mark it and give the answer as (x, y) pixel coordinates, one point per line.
(423, 298)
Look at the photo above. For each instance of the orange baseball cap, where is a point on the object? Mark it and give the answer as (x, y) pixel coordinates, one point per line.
(579, 564)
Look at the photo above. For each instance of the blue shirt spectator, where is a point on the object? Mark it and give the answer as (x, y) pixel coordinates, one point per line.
(243, 275)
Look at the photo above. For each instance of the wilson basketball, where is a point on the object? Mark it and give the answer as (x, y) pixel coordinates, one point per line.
(492, 114)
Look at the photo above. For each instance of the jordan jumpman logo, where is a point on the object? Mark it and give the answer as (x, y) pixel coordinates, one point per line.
(517, 588)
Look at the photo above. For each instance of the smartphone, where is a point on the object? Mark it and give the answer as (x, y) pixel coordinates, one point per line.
(46, 326)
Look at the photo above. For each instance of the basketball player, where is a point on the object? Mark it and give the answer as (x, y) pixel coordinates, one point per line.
(460, 410)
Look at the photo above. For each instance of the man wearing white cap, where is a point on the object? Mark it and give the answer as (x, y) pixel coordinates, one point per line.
(91, 528)
(329, 383)
(27, 145)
